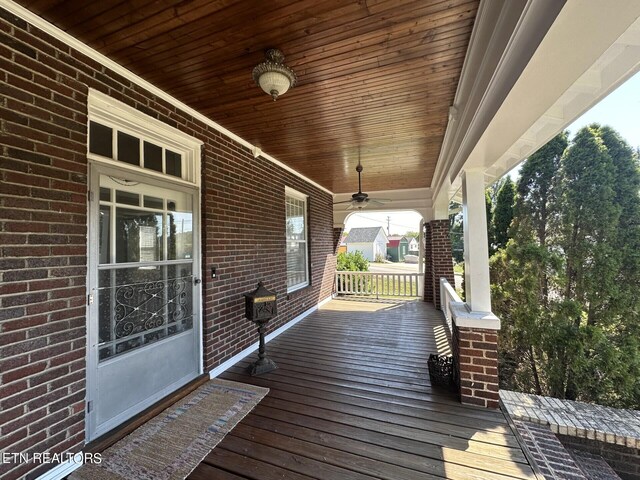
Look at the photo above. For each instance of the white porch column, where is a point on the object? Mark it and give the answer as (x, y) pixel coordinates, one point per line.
(476, 243)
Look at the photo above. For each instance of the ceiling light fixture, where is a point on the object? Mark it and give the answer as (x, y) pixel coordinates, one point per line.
(272, 75)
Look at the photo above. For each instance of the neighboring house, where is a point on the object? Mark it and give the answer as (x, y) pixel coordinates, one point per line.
(371, 241)
(397, 248)
(414, 246)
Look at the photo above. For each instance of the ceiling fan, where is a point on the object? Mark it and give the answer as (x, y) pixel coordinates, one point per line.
(359, 200)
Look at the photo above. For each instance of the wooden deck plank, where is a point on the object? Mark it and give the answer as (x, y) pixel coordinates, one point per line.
(248, 467)
(294, 384)
(262, 450)
(425, 410)
(388, 448)
(204, 471)
(352, 399)
(332, 456)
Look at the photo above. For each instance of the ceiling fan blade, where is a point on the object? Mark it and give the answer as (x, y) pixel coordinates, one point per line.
(379, 201)
(346, 201)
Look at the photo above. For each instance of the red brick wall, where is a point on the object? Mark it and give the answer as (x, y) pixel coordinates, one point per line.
(428, 265)
(439, 260)
(43, 228)
(475, 354)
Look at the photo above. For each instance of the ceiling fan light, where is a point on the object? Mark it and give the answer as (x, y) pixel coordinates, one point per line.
(273, 76)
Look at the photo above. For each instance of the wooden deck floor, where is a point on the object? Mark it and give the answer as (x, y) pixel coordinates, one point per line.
(351, 399)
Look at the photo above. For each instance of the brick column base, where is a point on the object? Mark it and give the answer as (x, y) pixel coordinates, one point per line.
(428, 265)
(475, 353)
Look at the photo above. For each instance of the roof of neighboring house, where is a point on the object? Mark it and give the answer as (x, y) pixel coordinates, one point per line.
(364, 235)
(394, 240)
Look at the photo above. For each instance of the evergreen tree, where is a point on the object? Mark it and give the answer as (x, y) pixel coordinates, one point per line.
(520, 274)
(535, 187)
(565, 286)
(503, 214)
(456, 233)
(489, 209)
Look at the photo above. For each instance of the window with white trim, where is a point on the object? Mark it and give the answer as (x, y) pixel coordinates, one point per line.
(297, 247)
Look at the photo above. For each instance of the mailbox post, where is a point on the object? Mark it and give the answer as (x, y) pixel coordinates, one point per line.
(260, 307)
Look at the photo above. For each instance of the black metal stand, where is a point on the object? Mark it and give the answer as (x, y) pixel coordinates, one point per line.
(263, 364)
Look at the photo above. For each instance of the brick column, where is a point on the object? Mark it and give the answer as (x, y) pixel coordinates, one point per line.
(428, 266)
(475, 352)
(337, 235)
(440, 263)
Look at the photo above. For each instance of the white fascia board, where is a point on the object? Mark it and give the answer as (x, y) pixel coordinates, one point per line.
(582, 49)
(505, 37)
(589, 50)
(76, 44)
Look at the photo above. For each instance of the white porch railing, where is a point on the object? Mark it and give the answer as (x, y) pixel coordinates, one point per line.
(378, 284)
(447, 296)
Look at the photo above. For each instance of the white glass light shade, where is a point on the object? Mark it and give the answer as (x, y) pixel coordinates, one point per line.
(273, 76)
(274, 83)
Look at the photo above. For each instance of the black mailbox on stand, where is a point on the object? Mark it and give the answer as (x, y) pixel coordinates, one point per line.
(260, 307)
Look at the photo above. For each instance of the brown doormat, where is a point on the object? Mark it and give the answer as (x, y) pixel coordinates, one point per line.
(172, 444)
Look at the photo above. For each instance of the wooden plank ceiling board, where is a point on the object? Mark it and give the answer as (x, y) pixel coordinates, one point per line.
(375, 77)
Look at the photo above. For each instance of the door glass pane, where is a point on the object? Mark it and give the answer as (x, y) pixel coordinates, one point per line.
(141, 305)
(180, 232)
(128, 198)
(153, 202)
(105, 234)
(105, 194)
(138, 236)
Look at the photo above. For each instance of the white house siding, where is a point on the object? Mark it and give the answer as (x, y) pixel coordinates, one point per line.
(367, 249)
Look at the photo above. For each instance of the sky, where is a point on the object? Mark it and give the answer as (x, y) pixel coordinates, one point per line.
(620, 110)
(400, 222)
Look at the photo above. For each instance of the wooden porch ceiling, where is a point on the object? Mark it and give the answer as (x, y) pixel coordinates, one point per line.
(376, 77)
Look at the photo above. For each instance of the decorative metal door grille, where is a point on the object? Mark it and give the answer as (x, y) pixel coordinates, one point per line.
(145, 275)
(140, 313)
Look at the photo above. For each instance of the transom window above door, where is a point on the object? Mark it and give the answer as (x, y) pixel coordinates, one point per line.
(120, 135)
(117, 145)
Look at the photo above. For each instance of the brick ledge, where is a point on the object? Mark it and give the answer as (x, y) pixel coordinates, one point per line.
(576, 419)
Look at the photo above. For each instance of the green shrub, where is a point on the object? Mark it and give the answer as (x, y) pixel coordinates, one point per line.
(352, 262)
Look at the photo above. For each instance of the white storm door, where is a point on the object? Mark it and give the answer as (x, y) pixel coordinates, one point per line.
(144, 293)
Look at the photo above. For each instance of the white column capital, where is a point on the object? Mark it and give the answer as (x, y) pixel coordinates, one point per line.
(441, 205)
